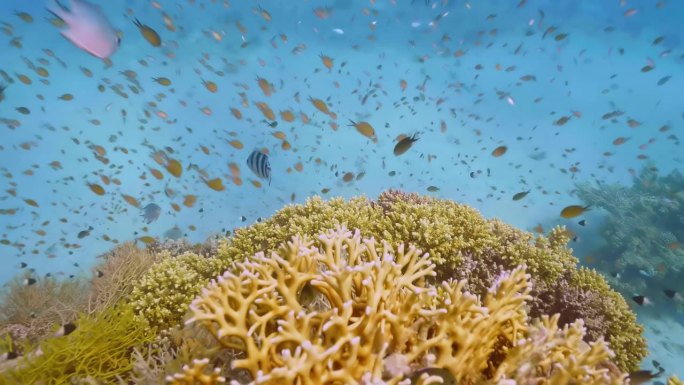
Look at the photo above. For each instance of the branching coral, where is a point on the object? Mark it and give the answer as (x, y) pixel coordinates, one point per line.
(163, 294)
(196, 374)
(99, 348)
(643, 231)
(381, 320)
(466, 246)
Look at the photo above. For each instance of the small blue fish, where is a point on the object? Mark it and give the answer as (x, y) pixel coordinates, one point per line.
(151, 213)
(259, 164)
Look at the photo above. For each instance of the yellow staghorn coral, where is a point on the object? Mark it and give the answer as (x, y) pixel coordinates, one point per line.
(465, 246)
(351, 311)
(196, 375)
(534, 360)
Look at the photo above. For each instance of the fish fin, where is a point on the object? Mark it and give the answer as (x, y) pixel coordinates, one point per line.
(59, 11)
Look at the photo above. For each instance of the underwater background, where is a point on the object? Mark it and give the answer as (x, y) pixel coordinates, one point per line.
(571, 102)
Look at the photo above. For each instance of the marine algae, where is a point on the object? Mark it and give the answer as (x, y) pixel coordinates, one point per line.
(99, 349)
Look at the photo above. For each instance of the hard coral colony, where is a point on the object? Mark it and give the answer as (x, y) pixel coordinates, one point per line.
(293, 302)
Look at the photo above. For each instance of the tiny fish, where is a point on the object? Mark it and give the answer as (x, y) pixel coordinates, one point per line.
(148, 33)
(520, 195)
(641, 300)
(65, 330)
(85, 233)
(405, 144)
(499, 151)
(643, 376)
(664, 80)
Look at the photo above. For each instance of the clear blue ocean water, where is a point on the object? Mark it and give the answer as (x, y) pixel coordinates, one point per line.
(467, 76)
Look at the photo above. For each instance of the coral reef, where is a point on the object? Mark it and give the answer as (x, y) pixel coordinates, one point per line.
(642, 231)
(157, 285)
(36, 308)
(356, 312)
(181, 246)
(119, 272)
(197, 375)
(99, 349)
(466, 246)
(163, 294)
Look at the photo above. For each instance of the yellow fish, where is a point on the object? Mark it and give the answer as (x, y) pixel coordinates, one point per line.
(573, 211)
(148, 33)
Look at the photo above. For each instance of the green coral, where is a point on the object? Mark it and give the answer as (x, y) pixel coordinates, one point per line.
(163, 294)
(99, 349)
(308, 219)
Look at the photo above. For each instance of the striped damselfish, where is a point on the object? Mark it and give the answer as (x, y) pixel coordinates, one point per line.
(258, 163)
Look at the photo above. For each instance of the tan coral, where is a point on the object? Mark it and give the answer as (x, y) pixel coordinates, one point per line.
(196, 375)
(382, 321)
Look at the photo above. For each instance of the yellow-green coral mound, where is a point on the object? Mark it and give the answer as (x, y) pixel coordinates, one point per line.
(464, 245)
(164, 292)
(351, 311)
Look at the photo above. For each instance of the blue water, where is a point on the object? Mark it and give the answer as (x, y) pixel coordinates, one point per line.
(479, 96)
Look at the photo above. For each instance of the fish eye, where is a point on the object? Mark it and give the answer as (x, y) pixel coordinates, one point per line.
(118, 41)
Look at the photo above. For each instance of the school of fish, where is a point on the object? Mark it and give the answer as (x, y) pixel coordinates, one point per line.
(126, 124)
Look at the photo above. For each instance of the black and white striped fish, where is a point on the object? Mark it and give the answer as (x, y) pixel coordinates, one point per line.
(259, 164)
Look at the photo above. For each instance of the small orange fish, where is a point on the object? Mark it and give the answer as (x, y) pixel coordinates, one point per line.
(264, 13)
(320, 105)
(327, 61)
(156, 173)
(265, 86)
(265, 110)
(234, 169)
(148, 33)
(96, 188)
(209, 85)
(130, 200)
(499, 151)
(174, 167)
(620, 140)
(573, 211)
(287, 116)
(189, 200)
(215, 184)
(364, 128)
(236, 113)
